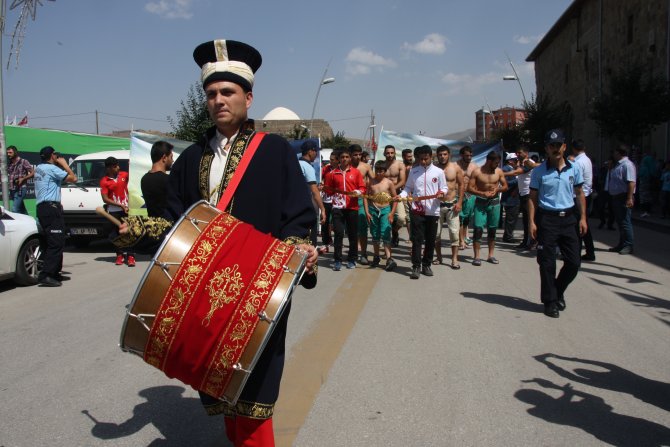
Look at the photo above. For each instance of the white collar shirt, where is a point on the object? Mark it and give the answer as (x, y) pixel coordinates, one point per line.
(425, 182)
(221, 146)
(584, 163)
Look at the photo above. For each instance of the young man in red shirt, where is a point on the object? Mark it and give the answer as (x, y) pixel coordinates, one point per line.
(345, 184)
(114, 191)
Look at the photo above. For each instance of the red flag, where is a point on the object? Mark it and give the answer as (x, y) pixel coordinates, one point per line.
(24, 121)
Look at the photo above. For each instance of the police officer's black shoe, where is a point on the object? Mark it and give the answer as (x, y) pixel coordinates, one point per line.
(560, 304)
(48, 281)
(426, 270)
(551, 310)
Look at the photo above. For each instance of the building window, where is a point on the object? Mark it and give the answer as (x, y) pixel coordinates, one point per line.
(629, 31)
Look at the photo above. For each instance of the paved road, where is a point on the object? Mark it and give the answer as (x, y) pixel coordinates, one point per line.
(375, 359)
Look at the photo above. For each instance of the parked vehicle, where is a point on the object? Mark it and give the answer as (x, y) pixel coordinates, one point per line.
(20, 247)
(82, 198)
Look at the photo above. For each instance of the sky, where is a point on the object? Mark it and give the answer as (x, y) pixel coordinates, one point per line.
(423, 67)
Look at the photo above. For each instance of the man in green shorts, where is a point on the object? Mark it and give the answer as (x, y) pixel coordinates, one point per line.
(379, 213)
(485, 186)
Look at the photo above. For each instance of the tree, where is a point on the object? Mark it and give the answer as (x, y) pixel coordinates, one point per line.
(298, 133)
(512, 137)
(192, 119)
(636, 101)
(338, 141)
(542, 116)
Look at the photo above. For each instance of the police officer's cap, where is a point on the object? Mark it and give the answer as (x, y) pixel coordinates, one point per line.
(554, 136)
(227, 60)
(46, 152)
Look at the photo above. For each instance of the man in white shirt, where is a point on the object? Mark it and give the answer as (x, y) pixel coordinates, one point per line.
(584, 163)
(424, 180)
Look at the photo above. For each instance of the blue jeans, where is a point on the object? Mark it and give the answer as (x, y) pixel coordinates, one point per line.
(17, 196)
(622, 215)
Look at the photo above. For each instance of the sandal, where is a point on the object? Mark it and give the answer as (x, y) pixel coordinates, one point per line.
(477, 262)
(455, 266)
(493, 260)
(437, 261)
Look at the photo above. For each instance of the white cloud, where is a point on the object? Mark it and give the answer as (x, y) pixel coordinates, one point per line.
(171, 9)
(361, 61)
(431, 44)
(525, 40)
(469, 84)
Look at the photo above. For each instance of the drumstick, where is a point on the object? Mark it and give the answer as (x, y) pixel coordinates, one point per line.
(100, 210)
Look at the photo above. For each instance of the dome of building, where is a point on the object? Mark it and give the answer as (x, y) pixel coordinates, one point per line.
(281, 113)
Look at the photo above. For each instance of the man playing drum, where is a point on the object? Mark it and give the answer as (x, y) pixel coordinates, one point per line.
(271, 196)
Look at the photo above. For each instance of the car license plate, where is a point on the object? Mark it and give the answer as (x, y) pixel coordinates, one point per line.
(83, 231)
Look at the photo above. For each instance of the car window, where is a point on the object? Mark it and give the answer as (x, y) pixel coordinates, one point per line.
(89, 172)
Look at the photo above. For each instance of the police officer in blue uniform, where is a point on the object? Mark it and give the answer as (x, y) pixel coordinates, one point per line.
(557, 214)
(49, 175)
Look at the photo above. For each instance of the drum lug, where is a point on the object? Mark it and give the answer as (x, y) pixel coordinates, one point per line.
(238, 367)
(264, 317)
(288, 270)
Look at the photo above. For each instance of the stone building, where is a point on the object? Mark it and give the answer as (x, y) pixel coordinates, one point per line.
(590, 42)
(283, 121)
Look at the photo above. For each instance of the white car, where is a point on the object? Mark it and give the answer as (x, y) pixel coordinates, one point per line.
(20, 248)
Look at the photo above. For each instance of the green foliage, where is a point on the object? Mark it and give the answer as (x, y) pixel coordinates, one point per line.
(192, 120)
(542, 115)
(636, 101)
(512, 137)
(338, 141)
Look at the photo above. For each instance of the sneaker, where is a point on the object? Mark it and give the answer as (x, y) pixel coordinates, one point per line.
(426, 271)
(119, 260)
(588, 257)
(390, 265)
(627, 250)
(337, 266)
(468, 241)
(131, 261)
(363, 260)
(415, 273)
(351, 265)
(375, 262)
(48, 281)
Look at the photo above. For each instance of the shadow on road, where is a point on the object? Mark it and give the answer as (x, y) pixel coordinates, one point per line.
(592, 414)
(511, 302)
(181, 420)
(630, 278)
(637, 298)
(610, 377)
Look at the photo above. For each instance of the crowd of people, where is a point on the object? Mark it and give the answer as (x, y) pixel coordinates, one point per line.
(427, 193)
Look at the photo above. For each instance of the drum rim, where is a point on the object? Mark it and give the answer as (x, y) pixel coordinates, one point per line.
(159, 250)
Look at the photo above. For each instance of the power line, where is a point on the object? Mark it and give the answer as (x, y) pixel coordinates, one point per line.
(100, 113)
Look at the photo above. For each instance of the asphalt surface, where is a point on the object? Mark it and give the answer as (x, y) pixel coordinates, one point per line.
(374, 359)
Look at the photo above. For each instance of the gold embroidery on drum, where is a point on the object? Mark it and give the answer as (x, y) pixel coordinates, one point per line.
(255, 300)
(182, 289)
(224, 286)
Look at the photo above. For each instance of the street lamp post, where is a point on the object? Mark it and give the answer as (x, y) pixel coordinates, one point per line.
(515, 77)
(324, 81)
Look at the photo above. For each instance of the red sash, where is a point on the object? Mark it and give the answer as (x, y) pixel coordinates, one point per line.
(239, 171)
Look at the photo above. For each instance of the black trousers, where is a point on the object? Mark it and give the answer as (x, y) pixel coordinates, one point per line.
(326, 237)
(524, 218)
(50, 216)
(345, 218)
(562, 232)
(423, 229)
(587, 239)
(511, 217)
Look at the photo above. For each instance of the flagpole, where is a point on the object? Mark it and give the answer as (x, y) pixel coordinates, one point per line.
(3, 151)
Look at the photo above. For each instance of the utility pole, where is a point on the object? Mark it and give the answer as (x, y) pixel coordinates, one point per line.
(97, 126)
(3, 151)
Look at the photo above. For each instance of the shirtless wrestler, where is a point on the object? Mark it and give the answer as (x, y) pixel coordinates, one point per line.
(450, 208)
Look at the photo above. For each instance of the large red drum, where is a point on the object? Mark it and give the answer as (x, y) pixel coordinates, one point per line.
(210, 299)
